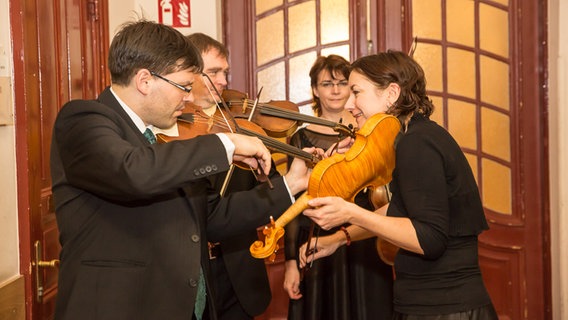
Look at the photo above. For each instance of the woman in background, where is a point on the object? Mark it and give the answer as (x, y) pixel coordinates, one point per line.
(338, 286)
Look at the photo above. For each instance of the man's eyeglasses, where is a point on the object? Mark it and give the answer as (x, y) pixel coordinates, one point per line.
(330, 84)
(186, 89)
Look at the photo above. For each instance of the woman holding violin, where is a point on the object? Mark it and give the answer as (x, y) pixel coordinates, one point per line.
(352, 274)
(435, 214)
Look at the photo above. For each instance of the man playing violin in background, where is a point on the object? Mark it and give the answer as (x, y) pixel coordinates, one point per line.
(241, 285)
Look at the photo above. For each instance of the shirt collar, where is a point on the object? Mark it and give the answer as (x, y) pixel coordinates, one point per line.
(133, 116)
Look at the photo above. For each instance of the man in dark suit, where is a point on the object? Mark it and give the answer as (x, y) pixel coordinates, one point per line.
(133, 216)
(242, 289)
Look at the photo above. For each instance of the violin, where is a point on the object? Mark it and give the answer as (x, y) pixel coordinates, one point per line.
(242, 107)
(278, 118)
(387, 251)
(368, 163)
(196, 122)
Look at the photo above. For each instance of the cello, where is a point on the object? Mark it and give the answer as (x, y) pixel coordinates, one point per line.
(368, 163)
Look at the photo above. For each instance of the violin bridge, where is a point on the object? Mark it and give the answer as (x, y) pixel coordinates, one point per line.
(209, 124)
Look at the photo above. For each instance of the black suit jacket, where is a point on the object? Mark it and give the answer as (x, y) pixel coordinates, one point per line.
(132, 216)
(247, 275)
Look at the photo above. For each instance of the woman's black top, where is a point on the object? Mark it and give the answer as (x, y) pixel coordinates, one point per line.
(434, 186)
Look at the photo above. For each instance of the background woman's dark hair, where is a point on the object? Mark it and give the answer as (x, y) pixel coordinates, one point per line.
(149, 45)
(334, 64)
(397, 67)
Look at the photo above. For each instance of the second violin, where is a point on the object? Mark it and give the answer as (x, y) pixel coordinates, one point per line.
(278, 118)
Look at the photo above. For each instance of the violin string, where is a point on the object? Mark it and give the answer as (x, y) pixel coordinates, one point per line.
(283, 113)
(275, 145)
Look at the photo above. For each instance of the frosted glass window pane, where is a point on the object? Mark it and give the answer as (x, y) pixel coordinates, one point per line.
(495, 134)
(427, 19)
(299, 86)
(302, 26)
(270, 38)
(494, 30)
(340, 51)
(461, 123)
(438, 114)
(496, 186)
(472, 160)
(265, 5)
(460, 22)
(272, 82)
(334, 20)
(494, 82)
(461, 72)
(429, 56)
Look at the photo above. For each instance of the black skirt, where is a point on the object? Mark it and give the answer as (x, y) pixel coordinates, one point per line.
(486, 312)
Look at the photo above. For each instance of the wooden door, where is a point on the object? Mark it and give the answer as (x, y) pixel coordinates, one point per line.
(485, 66)
(59, 54)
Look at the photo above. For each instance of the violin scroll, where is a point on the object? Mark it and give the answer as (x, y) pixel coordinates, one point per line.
(275, 231)
(268, 248)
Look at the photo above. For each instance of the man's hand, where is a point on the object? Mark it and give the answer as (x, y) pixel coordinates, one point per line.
(251, 151)
(299, 173)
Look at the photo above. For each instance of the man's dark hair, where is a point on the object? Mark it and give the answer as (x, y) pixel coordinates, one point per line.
(204, 43)
(149, 45)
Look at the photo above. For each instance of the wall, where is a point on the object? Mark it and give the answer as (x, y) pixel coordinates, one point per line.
(558, 139)
(205, 15)
(9, 247)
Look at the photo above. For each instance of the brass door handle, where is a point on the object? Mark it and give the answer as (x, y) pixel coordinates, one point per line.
(52, 263)
(37, 263)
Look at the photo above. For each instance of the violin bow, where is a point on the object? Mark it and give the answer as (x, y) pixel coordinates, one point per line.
(255, 104)
(236, 126)
(310, 251)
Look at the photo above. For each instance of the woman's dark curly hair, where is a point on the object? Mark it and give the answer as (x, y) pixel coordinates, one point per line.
(397, 67)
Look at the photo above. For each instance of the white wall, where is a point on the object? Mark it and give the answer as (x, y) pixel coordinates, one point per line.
(9, 247)
(205, 15)
(558, 134)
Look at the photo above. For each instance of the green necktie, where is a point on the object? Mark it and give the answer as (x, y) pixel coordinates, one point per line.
(150, 136)
(201, 296)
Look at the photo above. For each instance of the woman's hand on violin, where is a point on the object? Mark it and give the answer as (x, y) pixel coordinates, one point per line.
(320, 248)
(339, 147)
(251, 151)
(299, 173)
(292, 280)
(329, 212)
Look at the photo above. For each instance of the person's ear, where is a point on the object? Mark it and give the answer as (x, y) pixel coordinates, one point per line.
(315, 92)
(143, 80)
(393, 92)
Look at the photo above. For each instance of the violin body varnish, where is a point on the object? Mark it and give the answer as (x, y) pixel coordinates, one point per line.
(368, 163)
